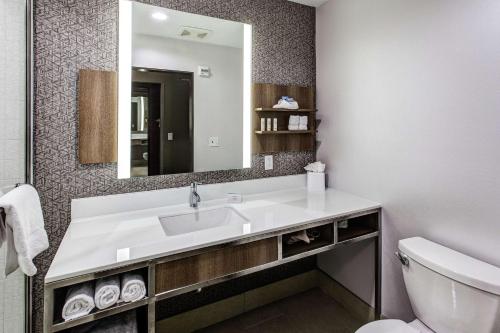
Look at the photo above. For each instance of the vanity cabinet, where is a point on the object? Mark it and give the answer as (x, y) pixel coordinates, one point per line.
(184, 272)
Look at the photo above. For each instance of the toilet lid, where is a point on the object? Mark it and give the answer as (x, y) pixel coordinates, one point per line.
(387, 326)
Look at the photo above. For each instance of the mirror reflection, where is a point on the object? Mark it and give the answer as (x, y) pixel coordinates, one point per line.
(189, 100)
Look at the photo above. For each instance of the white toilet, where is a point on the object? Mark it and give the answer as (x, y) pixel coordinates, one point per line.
(449, 292)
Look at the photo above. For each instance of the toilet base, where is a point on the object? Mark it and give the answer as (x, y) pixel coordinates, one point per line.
(418, 325)
(394, 325)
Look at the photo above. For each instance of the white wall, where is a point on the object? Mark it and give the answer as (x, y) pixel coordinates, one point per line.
(12, 136)
(409, 94)
(218, 100)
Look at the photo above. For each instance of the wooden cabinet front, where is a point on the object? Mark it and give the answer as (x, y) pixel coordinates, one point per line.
(213, 264)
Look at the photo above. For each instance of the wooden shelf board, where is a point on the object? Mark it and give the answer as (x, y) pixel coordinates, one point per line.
(276, 151)
(297, 248)
(283, 132)
(353, 232)
(99, 314)
(284, 110)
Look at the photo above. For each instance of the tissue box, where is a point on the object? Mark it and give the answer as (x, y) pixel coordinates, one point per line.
(316, 181)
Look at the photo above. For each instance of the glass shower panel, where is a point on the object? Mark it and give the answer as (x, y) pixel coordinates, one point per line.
(12, 144)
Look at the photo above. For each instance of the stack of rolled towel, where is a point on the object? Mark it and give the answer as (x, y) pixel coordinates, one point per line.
(83, 298)
(297, 123)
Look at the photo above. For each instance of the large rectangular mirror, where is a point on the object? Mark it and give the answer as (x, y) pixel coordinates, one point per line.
(184, 92)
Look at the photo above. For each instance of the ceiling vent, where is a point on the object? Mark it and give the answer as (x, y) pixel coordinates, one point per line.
(194, 33)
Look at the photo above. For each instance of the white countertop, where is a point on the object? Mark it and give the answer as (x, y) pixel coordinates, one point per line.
(97, 243)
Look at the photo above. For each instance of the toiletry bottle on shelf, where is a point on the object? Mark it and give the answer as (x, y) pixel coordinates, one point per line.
(275, 124)
(262, 124)
(268, 128)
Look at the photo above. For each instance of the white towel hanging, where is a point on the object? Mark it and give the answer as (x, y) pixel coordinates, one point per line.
(23, 229)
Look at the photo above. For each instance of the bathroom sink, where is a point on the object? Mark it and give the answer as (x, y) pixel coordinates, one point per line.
(201, 220)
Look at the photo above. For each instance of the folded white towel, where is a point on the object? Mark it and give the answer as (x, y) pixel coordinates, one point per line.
(315, 167)
(293, 123)
(286, 103)
(133, 287)
(303, 123)
(79, 301)
(294, 120)
(23, 229)
(107, 292)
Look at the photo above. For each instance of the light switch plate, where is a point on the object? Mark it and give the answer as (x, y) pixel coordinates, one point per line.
(204, 71)
(268, 162)
(213, 141)
(170, 136)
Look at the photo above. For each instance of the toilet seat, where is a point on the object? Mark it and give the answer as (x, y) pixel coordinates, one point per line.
(387, 326)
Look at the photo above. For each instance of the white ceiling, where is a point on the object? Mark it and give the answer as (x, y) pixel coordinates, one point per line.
(223, 32)
(312, 3)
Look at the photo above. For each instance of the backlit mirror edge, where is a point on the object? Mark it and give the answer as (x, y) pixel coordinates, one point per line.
(124, 87)
(247, 95)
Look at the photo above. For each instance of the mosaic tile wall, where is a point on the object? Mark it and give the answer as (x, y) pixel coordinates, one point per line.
(75, 34)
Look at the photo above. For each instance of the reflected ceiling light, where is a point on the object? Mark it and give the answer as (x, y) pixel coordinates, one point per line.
(159, 16)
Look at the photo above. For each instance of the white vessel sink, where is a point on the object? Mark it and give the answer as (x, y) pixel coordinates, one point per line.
(179, 224)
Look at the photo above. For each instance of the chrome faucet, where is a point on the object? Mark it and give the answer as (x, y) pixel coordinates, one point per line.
(194, 197)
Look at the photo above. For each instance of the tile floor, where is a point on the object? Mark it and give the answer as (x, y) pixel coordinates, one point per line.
(308, 312)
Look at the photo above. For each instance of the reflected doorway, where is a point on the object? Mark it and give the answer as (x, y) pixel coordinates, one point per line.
(161, 122)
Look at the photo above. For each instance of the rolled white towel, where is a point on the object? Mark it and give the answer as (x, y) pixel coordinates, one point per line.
(79, 301)
(133, 287)
(107, 292)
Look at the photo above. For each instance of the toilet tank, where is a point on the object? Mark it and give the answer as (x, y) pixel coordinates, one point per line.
(449, 291)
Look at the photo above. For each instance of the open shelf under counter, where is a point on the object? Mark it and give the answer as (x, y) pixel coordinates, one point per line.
(325, 237)
(357, 227)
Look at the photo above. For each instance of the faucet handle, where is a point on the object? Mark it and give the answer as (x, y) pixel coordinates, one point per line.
(194, 184)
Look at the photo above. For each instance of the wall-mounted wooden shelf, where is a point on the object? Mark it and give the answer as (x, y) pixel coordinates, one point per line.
(282, 132)
(283, 140)
(284, 110)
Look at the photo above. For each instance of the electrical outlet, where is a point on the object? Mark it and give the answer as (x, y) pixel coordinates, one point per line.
(213, 141)
(234, 198)
(268, 162)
